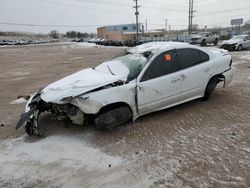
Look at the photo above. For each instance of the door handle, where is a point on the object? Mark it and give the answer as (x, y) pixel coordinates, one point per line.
(183, 77)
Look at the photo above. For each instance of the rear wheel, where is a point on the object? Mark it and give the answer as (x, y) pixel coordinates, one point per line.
(112, 117)
(211, 87)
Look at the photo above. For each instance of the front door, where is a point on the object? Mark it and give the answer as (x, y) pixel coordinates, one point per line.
(159, 85)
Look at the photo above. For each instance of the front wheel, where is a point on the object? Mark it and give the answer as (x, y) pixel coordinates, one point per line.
(210, 87)
(203, 43)
(113, 117)
(216, 42)
(240, 48)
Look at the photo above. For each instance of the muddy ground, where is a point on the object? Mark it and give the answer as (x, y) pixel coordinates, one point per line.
(197, 144)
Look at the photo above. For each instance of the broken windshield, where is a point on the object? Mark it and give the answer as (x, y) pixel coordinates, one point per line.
(129, 66)
(134, 63)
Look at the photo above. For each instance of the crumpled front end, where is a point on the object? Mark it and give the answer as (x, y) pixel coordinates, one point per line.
(62, 99)
(34, 108)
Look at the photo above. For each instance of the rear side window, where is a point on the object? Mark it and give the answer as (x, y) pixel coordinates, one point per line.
(162, 65)
(204, 56)
(191, 57)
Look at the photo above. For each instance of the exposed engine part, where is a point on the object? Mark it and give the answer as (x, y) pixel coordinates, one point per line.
(78, 118)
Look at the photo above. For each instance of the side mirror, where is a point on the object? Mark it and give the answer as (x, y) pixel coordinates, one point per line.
(207, 35)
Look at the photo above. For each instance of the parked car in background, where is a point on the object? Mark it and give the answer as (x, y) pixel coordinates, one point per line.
(204, 38)
(239, 43)
(144, 79)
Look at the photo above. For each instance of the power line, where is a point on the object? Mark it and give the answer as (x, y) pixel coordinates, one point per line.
(45, 25)
(82, 7)
(223, 11)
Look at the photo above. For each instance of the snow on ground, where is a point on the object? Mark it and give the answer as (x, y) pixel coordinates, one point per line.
(66, 151)
(68, 161)
(19, 101)
(246, 57)
(93, 45)
(86, 44)
(48, 159)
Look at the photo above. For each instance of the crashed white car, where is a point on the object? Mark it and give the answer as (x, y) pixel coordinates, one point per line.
(239, 43)
(146, 78)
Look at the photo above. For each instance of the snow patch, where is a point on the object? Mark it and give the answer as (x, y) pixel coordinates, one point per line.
(247, 149)
(19, 101)
(86, 44)
(246, 57)
(66, 151)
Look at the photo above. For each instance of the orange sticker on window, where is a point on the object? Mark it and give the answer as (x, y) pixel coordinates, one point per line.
(168, 57)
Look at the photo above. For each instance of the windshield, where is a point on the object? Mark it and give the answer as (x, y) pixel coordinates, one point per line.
(202, 34)
(134, 63)
(239, 37)
(129, 66)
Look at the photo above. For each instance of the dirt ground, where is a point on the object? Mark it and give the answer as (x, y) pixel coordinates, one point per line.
(197, 144)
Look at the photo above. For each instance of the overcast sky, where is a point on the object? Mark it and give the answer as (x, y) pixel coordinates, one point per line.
(86, 15)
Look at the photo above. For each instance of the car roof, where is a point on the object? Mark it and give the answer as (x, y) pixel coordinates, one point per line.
(157, 47)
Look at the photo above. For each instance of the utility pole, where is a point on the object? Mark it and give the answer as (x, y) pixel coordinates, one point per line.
(146, 24)
(166, 25)
(137, 18)
(190, 16)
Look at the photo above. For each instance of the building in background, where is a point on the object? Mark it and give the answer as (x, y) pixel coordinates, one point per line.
(118, 32)
(127, 32)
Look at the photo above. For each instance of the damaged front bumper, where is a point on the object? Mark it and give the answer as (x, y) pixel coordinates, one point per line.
(30, 118)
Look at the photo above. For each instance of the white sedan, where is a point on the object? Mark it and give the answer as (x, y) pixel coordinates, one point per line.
(146, 78)
(238, 42)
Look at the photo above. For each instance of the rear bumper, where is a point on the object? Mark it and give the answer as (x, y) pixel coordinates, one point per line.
(228, 76)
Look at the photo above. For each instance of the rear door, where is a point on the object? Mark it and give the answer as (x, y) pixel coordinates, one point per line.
(159, 85)
(195, 72)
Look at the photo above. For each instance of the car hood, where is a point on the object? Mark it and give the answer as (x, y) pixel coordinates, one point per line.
(232, 41)
(77, 84)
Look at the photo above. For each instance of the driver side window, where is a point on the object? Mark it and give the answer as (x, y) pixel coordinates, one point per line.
(162, 65)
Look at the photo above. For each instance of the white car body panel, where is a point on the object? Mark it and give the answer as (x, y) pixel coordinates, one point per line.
(76, 84)
(92, 102)
(158, 93)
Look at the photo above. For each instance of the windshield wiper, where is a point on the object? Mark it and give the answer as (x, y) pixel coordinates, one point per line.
(110, 70)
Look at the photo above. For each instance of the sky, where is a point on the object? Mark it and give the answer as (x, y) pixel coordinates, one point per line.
(42, 16)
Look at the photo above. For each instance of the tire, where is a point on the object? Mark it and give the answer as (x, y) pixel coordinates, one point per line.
(203, 43)
(113, 117)
(240, 47)
(216, 42)
(210, 87)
